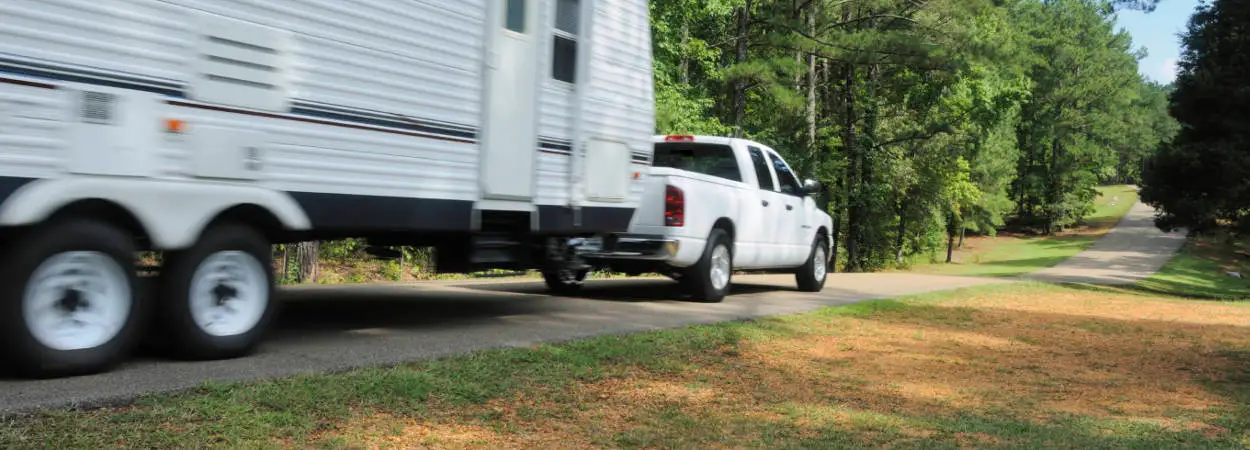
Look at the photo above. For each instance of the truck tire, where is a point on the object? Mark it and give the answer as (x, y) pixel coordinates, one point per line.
(812, 274)
(70, 303)
(217, 297)
(708, 280)
(565, 282)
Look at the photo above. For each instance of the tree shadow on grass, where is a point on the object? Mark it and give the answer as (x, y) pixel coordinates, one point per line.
(1169, 288)
(926, 376)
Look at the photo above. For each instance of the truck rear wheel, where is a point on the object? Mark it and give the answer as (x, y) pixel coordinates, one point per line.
(812, 274)
(217, 297)
(565, 281)
(708, 280)
(69, 299)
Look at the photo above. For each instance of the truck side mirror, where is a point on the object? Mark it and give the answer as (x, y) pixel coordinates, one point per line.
(811, 186)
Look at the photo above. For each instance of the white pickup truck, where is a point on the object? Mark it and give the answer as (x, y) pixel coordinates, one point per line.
(713, 205)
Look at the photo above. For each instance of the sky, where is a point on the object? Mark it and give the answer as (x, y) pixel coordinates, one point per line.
(1158, 32)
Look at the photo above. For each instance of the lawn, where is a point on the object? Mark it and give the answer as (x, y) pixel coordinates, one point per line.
(1011, 254)
(1200, 270)
(1022, 364)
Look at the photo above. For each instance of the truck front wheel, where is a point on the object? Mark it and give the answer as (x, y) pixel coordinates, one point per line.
(69, 299)
(217, 297)
(812, 274)
(708, 280)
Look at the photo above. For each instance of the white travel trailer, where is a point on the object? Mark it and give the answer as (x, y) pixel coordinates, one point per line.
(495, 130)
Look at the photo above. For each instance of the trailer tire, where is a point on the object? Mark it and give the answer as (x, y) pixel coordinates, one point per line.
(70, 303)
(217, 297)
(812, 274)
(709, 279)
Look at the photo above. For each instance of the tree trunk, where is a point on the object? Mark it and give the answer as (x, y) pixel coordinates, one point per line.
(812, 78)
(837, 221)
(962, 230)
(307, 255)
(684, 63)
(852, 170)
(950, 238)
(902, 232)
(286, 262)
(740, 86)
(1053, 194)
(950, 246)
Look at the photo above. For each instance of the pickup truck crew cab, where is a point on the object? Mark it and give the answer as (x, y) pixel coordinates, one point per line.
(713, 205)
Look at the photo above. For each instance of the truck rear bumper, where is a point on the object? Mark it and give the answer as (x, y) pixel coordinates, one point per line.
(631, 247)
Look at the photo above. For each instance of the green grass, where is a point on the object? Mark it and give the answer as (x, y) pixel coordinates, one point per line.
(1113, 202)
(1013, 255)
(1199, 270)
(504, 395)
(1007, 256)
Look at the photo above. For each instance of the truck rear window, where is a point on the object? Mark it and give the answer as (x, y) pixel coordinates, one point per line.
(709, 159)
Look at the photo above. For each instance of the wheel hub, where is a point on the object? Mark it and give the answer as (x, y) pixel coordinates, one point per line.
(223, 293)
(229, 293)
(721, 267)
(72, 300)
(77, 300)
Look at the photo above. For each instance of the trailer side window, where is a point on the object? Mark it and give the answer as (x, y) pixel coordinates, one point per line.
(516, 16)
(564, 52)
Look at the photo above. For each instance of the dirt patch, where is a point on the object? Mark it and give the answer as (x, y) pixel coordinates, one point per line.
(894, 375)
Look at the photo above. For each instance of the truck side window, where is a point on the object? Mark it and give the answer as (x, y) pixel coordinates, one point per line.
(789, 184)
(761, 169)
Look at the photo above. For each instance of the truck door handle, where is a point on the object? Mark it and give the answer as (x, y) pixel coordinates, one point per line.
(789, 207)
(765, 202)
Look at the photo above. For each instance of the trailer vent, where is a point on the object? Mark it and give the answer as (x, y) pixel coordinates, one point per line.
(241, 64)
(97, 107)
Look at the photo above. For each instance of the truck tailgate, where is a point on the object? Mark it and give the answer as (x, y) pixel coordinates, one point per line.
(650, 212)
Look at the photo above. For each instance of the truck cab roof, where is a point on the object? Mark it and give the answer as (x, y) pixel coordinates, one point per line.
(661, 138)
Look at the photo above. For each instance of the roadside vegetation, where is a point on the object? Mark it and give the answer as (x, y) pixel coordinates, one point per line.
(1010, 365)
(1016, 252)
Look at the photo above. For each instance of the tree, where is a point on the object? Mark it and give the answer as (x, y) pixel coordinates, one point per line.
(1083, 76)
(1201, 179)
(924, 119)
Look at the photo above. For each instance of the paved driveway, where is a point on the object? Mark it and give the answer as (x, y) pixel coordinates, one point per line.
(1130, 252)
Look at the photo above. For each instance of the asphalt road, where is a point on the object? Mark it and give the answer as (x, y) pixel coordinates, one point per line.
(329, 328)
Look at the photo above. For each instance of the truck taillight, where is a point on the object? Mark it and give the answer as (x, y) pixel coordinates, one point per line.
(678, 138)
(674, 207)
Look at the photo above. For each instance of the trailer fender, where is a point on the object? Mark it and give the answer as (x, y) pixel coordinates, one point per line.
(172, 212)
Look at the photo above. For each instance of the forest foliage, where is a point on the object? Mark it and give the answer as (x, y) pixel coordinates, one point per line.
(924, 119)
(1201, 179)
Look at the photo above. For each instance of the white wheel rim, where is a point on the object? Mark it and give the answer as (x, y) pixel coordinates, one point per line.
(229, 293)
(721, 267)
(77, 300)
(818, 265)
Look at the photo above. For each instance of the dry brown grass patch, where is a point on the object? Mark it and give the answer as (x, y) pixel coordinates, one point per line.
(1021, 356)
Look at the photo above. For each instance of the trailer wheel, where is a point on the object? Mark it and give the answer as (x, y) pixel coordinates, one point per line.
(69, 299)
(217, 298)
(565, 281)
(812, 274)
(708, 280)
